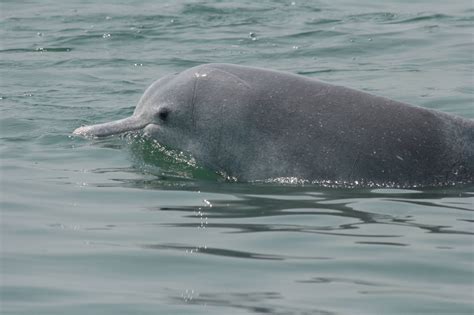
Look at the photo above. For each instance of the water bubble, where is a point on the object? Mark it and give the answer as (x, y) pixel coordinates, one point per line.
(106, 35)
(188, 295)
(296, 47)
(293, 3)
(253, 36)
(39, 34)
(172, 21)
(107, 17)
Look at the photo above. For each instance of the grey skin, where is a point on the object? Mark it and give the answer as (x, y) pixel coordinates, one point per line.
(257, 124)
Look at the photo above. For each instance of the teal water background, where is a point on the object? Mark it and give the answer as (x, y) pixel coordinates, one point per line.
(118, 227)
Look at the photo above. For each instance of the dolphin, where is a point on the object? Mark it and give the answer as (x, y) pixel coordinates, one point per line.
(258, 124)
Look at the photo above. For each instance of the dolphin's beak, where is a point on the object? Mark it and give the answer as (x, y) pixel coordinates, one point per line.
(111, 128)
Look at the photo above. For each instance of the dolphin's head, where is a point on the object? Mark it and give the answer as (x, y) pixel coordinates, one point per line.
(196, 111)
(163, 112)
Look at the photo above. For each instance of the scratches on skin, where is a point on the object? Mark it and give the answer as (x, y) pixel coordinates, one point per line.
(221, 134)
(236, 77)
(205, 73)
(197, 77)
(193, 101)
(354, 164)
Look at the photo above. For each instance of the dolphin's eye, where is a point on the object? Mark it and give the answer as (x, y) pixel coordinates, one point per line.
(163, 113)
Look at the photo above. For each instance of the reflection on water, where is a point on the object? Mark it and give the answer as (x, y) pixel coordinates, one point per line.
(322, 205)
(292, 242)
(224, 252)
(252, 302)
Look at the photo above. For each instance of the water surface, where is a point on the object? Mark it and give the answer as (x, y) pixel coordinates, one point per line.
(117, 226)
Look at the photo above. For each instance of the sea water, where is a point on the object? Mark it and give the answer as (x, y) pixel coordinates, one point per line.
(120, 226)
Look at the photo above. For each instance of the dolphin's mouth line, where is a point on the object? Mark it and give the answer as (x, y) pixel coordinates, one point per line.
(150, 129)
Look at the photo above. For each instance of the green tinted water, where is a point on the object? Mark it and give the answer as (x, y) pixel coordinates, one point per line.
(119, 227)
